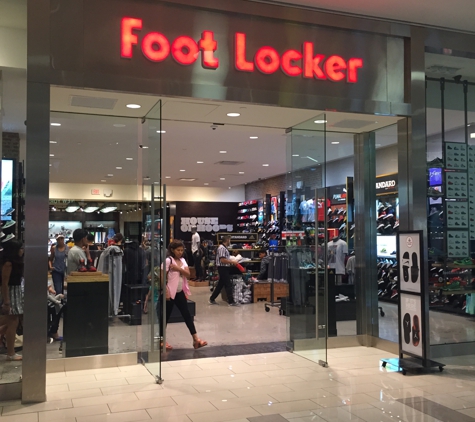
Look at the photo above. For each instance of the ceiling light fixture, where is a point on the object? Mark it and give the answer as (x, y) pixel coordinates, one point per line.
(91, 208)
(265, 165)
(295, 155)
(119, 125)
(472, 135)
(110, 175)
(129, 159)
(241, 172)
(223, 152)
(108, 208)
(167, 177)
(222, 178)
(72, 207)
(377, 145)
(118, 168)
(206, 184)
(143, 146)
(52, 142)
(103, 180)
(51, 155)
(320, 122)
(182, 170)
(253, 137)
(233, 114)
(55, 124)
(199, 162)
(161, 131)
(335, 143)
(133, 106)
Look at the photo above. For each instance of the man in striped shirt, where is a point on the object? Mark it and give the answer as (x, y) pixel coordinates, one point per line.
(224, 265)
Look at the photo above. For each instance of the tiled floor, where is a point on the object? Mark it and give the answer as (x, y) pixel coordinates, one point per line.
(257, 388)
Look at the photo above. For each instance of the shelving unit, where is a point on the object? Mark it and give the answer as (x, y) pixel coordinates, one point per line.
(248, 214)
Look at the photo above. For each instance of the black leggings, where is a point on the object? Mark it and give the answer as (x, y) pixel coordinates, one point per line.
(182, 304)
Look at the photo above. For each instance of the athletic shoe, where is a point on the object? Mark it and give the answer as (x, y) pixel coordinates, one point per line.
(233, 304)
(436, 162)
(9, 224)
(9, 211)
(212, 302)
(9, 237)
(2, 235)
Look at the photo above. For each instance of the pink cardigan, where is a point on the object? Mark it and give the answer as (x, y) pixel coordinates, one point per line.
(173, 278)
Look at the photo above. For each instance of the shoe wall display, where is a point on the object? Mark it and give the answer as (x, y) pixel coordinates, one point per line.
(457, 215)
(455, 156)
(456, 183)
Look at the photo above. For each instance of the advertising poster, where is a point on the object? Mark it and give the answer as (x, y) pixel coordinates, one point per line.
(409, 263)
(411, 324)
(7, 190)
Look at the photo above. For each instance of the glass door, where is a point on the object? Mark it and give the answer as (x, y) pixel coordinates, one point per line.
(155, 238)
(306, 237)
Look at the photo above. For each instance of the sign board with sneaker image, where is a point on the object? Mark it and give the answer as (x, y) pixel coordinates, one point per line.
(409, 263)
(411, 324)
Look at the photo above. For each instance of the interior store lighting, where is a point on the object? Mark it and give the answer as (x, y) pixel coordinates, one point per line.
(108, 208)
(72, 207)
(55, 124)
(233, 114)
(253, 137)
(134, 106)
(91, 208)
(320, 122)
(472, 135)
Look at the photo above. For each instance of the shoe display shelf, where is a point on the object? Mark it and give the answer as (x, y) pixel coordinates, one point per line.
(451, 229)
(388, 281)
(248, 214)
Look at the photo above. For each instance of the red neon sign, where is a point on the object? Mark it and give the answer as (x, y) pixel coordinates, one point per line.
(184, 50)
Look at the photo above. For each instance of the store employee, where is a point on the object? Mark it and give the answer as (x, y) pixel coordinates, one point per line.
(224, 265)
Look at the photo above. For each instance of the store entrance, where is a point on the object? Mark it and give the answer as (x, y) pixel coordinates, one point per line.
(267, 176)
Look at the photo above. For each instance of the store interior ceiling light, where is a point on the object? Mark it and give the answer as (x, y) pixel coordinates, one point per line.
(182, 170)
(118, 168)
(295, 155)
(199, 162)
(108, 208)
(167, 177)
(187, 179)
(119, 125)
(133, 106)
(320, 122)
(472, 135)
(241, 172)
(223, 152)
(110, 175)
(91, 208)
(129, 159)
(52, 142)
(72, 207)
(103, 180)
(51, 155)
(265, 165)
(222, 178)
(310, 158)
(55, 124)
(233, 114)
(335, 143)
(253, 137)
(206, 184)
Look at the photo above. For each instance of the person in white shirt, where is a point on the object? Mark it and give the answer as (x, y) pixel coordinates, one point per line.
(196, 251)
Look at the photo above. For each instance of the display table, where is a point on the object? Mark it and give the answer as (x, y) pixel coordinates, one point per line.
(262, 291)
(86, 320)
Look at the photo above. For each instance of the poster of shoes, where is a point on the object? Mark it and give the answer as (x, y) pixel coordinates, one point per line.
(455, 156)
(409, 263)
(457, 215)
(411, 328)
(458, 244)
(471, 158)
(456, 183)
(471, 215)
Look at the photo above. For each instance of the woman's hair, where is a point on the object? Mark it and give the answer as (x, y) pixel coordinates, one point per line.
(174, 244)
(119, 237)
(10, 251)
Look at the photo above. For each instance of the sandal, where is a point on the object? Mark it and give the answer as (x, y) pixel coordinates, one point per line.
(14, 358)
(168, 347)
(199, 343)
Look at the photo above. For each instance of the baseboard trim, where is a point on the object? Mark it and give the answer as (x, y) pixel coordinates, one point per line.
(91, 362)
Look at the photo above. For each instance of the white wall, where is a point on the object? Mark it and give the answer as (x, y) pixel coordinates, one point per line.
(133, 193)
(12, 48)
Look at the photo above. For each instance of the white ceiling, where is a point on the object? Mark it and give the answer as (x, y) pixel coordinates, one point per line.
(92, 142)
(455, 14)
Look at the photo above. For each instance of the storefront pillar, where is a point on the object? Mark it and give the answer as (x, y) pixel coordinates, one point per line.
(365, 237)
(36, 203)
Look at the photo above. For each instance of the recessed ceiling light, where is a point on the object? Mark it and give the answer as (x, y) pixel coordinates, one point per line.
(377, 145)
(265, 165)
(119, 168)
(335, 143)
(222, 178)
(52, 142)
(223, 152)
(133, 106)
(253, 137)
(51, 165)
(472, 135)
(119, 125)
(295, 155)
(233, 114)
(182, 170)
(161, 131)
(129, 159)
(51, 155)
(241, 172)
(199, 162)
(55, 124)
(229, 187)
(168, 177)
(320, 122)
(103, 180)
(143, 146)
(206, 184)
(110, 175)
(146, 178)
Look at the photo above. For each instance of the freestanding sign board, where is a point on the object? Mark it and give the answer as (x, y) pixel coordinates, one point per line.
(413, 315)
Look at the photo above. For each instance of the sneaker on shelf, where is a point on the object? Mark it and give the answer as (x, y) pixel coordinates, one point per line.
(9, 211)
(9, 224)
(9, 237)
(436, 162)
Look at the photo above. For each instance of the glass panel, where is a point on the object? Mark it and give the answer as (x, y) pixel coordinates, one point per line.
(156, 239)
(305, 238)
(96, 189)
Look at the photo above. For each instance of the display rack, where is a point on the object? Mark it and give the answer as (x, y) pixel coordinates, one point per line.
(248, 214)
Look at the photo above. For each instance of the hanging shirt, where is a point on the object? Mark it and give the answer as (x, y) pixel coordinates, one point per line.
(336, 255)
